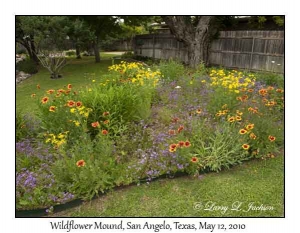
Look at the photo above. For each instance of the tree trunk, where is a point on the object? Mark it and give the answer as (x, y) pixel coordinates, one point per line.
(96, 51)
(196, 38)
(195, 55)
(78, 56)
(33, 52)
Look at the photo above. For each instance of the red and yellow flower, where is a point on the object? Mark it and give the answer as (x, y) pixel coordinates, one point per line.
(231, 119)
(173, 146)
(243, 131)
(172, 132)
(180, 128)
(279, 90)
(51, 91)
(252, 136)
(263, 92)
(69, 86)
(245, 146)
(78, 104)
(238, 118)
(45, 99)
(199, 110)
(187, 144)
(52, 108)
(33, 95)
(104, 132)
(250, 126)
(175, 120)
(194, 159)
(105, 114)
(181, 144)
(271, 138)
(106, 122)
(71, 103)
(95, 124)
(80, 163)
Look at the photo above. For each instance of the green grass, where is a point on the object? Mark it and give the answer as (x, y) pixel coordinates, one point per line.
(260, 182)
(78, 72)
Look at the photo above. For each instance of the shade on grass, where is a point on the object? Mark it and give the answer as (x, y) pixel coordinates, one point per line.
(77, 72)
(258, 182)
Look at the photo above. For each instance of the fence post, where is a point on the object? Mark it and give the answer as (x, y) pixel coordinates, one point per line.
(251, 55)
(153, 48)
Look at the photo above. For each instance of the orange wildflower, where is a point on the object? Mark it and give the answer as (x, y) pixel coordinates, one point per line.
(252, 136)
(243, 131)
(173, 146)
(194, 159)
(245, 146)
(238, 118)
(250, 126)
(104, 132)
(78, 104)
(181, 144)
(231, 119)
(271, 138)
(171, 132)
(180, 129)
(80, 163)
(50, 91)
(71, 103)
(45, 99)
(105, 114)
(95, 124)
(187, 144)
(69, 86)
(52, 108)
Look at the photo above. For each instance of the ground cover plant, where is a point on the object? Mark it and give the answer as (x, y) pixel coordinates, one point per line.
(134, 123)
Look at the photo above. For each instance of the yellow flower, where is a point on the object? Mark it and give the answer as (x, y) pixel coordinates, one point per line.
(77, 123)
(73, 110)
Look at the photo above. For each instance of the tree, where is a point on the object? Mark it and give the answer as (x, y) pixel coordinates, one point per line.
(26, 37)
(79, 33)
(195, 32)
(41, 32)
(101, 26)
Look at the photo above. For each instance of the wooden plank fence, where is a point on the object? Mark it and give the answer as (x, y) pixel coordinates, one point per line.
(251, 50)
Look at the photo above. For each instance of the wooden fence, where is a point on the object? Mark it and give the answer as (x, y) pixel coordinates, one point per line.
(251, 50)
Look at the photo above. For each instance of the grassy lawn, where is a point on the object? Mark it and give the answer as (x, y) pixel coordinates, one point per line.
(78, 72)
(258, 182)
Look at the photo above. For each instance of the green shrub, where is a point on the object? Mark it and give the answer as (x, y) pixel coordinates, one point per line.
(125, 103)
(128, 54)
(271, 79)
(27, 66)
(21, 50)
(217, 146)
(171, 69)
(27, 126)
(99, 172)
(70, 53)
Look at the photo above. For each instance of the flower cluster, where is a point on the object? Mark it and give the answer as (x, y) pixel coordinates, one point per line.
(135, 72)
(57, 140)
(231, 80)
(180, 144)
